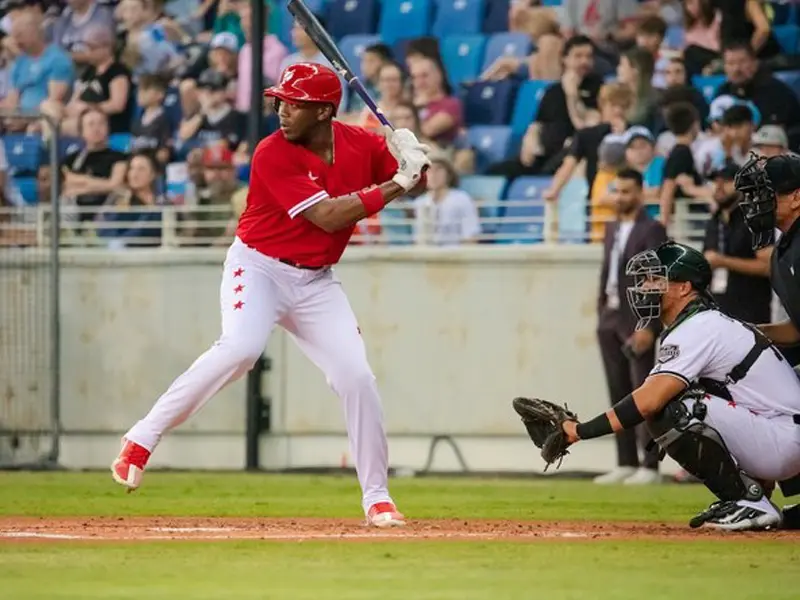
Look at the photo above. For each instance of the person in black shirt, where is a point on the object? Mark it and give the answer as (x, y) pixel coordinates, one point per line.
(152, 132)
(615, 100)
(770, 189)
(217, 120)
(740, 282)
(94, 171)
(105, 84)
(746, 21)
(684, 123)
(747, 80)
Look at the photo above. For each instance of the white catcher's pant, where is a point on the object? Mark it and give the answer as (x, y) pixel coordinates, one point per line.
(767, 449)
(257, 293)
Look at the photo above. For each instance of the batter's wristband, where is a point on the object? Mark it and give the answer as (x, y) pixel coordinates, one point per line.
(372, 200)
(597, 427)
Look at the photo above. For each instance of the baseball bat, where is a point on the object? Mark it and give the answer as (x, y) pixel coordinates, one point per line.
(309, 22)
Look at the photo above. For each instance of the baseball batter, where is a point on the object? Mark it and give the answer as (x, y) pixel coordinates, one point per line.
(721, 400)
(311, 182)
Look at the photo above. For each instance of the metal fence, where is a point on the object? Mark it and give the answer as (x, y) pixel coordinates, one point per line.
(29, 305)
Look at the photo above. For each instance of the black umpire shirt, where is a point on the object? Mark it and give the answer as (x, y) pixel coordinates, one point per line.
(745, 297)
(785, 265)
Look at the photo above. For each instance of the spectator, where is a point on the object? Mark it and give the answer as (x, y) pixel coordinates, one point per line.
(702, 36)
(614, 100)
(740, 282)
(273, 54)
(602, 195)
(441, 114)
(678, 89)
(75, 28)
(770, 140)
(684, 122)
(122, 220)
(640, 155)
(391, 93)
(732, 123)
(152, 131)
(105, 84)
(745, 21)
(223, 57)
(373, 59)
(445, 215)
(94, 171)
(219, 184)
(41, 71)
(307, 51)
(650, 37)
(748, 81)
(216, 121)
(628, 355)
(566, 107)
(611, 24)
(227, 19)
(146, 51)
(635, 70)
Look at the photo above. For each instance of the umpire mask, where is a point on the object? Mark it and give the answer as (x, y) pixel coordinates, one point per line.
(758, 200)
(649, 284)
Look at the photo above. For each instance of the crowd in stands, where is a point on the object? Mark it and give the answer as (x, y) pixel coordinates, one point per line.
(520, 99)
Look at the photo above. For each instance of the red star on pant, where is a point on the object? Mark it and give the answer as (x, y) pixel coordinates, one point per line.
(238, 289)
(238, 272)
(238, 305)
(731, 403)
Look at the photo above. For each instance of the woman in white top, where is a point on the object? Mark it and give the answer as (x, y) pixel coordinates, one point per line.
(445, 215)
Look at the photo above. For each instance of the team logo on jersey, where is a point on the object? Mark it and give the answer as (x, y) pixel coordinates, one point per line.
(668, 352)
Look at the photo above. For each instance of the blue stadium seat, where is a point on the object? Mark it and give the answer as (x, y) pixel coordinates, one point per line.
(524, 224)
(404, 19)
(485, 189)
(462, 56)
(790, 78)
(526, 107)
(68, 145)
(783, 12)
(788, 37)
(351, 17)
(457, 17)
(121, 142)
(287, 20)
(506, 44)
(27, 189)
(23, 152)
(551, 2)
(490, 143)
(497, 17)
(243, 173)
(708, 85)
(392, 226)
(490, 102)
(352, 46)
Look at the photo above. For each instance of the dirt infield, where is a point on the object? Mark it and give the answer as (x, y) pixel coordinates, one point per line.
(19, 529)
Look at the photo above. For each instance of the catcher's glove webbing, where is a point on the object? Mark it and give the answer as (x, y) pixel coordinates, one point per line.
(543, 421)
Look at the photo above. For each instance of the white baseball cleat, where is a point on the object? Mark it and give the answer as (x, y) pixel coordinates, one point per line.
(740, 516)
(643, 476)
(618, 475)
(385, 514)
(128, 468)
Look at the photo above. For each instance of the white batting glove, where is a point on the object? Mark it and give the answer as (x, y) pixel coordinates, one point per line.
(410, 166)
(404, 140)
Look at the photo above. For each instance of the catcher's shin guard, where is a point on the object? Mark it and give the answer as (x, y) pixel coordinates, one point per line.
(701, 451)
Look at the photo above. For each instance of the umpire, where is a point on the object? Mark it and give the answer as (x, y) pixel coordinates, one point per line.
(771, 200)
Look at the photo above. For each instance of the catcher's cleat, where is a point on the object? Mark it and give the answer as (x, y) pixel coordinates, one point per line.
(742, 515)
(385, 514)
(128, 469)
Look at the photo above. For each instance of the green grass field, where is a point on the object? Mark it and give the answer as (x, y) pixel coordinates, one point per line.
(756, 566)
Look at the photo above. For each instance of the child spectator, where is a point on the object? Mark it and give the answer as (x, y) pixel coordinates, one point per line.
(152, 132)
(602, 201)
(683, 121)
(650, 37)
(640, 154)
(216, 121)
(373, 59)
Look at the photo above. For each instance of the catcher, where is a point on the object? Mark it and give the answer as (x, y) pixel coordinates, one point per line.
(721, 400)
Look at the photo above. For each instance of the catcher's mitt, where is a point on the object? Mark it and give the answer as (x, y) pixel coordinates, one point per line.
(543, 421)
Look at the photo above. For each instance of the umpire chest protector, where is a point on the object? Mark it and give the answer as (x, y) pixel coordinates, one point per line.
(785, 272)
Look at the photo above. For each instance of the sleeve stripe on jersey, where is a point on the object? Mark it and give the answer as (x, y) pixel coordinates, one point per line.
(307, 203)
(675, 375)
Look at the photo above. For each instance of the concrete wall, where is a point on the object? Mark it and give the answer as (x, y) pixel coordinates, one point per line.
(453, 336)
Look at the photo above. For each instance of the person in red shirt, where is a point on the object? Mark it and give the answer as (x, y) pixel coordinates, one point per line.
(310, 183)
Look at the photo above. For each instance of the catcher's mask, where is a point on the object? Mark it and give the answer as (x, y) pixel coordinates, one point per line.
(758, 200)
(652, 270)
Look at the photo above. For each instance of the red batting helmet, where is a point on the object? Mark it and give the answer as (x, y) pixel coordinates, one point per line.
(308, 82)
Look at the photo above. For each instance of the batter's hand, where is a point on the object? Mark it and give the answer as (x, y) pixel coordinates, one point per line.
(404, 140)
(409, 168)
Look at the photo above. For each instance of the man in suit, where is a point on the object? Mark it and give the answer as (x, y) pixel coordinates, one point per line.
(628, 355)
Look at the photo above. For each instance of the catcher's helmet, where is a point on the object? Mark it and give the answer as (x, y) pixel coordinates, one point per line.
(652, 270)
(759, 180)
(308, 82)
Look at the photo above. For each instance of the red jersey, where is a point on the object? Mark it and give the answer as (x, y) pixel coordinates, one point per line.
(286, 179)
